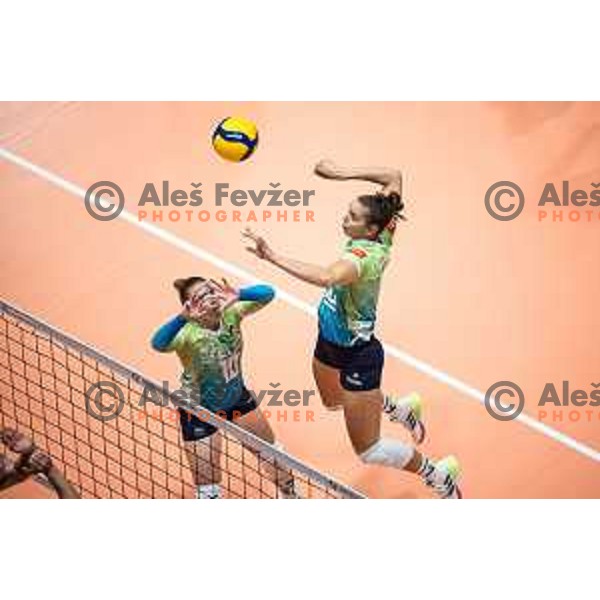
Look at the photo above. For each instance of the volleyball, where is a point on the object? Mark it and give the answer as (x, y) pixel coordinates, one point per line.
(235, 139)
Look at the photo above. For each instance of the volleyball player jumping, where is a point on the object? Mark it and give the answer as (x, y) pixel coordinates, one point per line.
(348, 358)
(207, 338)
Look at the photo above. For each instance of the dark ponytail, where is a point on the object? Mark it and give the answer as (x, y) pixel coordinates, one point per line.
(383, 208)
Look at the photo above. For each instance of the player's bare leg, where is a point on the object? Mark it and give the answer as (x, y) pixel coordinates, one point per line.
(405, 410)
(362, 412)
(204, 458)
(256, 423)
(328, 383)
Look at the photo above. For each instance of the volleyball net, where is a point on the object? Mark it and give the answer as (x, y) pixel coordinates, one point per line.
(125, 447)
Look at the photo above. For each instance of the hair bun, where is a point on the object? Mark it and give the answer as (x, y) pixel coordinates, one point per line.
(179, 284)
(396, 204)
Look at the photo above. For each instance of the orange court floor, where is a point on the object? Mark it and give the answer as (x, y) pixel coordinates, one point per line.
(479, 299)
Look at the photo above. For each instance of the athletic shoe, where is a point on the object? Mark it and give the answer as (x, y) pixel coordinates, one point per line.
(444, 478)
(288, 491)
(208, 492)
(407, 411)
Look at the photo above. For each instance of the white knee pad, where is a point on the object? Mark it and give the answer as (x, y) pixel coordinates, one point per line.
(390, 453)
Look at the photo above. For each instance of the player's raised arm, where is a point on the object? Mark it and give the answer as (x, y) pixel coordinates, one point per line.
(390, 179)
(342, 272)
(165, 334)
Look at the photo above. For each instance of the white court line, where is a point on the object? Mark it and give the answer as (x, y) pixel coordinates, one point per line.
(236, 271)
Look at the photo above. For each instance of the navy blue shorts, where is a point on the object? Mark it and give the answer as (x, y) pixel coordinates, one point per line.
(194, 429)
(360, 366)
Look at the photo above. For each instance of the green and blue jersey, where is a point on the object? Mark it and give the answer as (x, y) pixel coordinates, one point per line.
(347, 313)
(212, 360)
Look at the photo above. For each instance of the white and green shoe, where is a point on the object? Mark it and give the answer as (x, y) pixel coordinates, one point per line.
(407, 411)
(444, 479)
(211, 491)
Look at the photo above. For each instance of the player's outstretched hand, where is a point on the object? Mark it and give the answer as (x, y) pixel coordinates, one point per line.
(260, 248)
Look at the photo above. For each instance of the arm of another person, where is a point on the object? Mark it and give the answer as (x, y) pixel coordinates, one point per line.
(61, 485)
